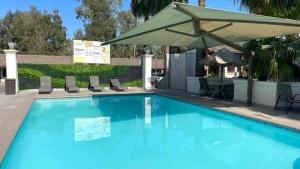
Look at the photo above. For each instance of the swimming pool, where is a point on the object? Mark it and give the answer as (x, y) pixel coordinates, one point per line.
(148, 132)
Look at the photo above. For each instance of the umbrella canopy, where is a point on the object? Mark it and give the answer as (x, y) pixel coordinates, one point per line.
(193, 26)
(197, 27)
(223, 57)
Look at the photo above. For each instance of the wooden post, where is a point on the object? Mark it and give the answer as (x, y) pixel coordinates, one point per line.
(250, 79)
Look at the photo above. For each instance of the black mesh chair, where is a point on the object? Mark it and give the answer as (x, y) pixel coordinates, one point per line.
(203, 90)
(286, 95)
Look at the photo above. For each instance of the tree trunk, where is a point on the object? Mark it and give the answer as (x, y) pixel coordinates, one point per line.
(201, 3)
(200, 52)
(167, 67)
(250, 80)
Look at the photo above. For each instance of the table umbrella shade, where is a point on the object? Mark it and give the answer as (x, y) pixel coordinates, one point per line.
(223, 57)
(192, 26)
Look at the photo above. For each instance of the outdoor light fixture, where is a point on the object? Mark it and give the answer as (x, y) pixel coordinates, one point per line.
(11, 45)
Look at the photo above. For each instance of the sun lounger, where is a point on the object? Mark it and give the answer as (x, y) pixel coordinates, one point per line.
(94, 84)
(71, 84)
(45, 85)
(286, 95)
(115, 85)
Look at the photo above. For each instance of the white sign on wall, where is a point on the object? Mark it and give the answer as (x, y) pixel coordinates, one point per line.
(90, 52)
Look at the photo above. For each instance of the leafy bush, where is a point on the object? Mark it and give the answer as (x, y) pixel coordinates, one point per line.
(29, 74)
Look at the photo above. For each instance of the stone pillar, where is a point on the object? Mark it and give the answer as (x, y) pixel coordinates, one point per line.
(12, 82)
(147, 71)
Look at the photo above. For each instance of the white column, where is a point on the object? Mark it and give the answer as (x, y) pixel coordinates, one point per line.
(236, 73)
(225, 71)
(11, 66)
(147, 71)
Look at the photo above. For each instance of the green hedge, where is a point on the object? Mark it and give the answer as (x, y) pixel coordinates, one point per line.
(29, 74)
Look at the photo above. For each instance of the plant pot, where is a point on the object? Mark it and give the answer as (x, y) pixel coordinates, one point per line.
(11, 45)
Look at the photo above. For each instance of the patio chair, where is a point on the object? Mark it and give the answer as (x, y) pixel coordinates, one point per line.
(286, 95)
(94, 84)
(115, 85)
(45, 85)
(203, 91)
(70, 85)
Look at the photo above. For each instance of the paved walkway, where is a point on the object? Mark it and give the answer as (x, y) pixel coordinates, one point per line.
(280, 118)
(14, 108)
(2, 88)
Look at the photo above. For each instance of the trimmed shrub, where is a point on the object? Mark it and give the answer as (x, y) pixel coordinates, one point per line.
(29, 74)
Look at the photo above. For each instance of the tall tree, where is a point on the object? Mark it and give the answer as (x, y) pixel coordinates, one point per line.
(98, 17)
(200, 52)
(147, 8)
(274, 57)
(125, 21)
(34, 32)
(79, 35)
(279, 8)
(57, 37)
(202, 3)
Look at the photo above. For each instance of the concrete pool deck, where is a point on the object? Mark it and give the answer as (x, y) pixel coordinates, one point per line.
(14, 108)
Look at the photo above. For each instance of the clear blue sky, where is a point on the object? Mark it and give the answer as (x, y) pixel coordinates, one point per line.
(67, 9)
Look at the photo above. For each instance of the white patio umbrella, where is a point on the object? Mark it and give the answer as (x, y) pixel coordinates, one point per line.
(223, 58)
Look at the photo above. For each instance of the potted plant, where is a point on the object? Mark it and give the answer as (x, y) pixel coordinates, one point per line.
(11, 45)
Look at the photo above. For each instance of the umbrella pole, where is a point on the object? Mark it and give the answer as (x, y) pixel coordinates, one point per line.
(222, 70)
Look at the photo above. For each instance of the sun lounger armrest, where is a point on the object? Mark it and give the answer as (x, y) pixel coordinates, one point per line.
(296, 96)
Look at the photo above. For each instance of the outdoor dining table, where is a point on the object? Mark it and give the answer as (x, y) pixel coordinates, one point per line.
(218, 88)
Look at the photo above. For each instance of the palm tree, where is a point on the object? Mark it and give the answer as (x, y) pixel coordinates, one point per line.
(201, 3)
(147, 8)
(274, 57)
(279, 8)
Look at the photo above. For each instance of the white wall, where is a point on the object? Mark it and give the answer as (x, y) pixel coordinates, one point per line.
(191, 62)
(181, 66)
(193, 85)
(177, 71)
(264, 93)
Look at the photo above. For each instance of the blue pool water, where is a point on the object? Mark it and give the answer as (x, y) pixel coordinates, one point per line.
(145, 132)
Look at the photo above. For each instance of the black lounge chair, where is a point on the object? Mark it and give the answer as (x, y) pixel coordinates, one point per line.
(45, 85)
(71, 86)
(286, 95)
(115, 85)
(94, 84)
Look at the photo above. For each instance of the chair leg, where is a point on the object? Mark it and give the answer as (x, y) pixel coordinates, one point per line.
(287, 105)
(277, 103)
(291, 105)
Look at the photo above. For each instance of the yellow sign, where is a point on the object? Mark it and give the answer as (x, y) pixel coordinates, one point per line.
(90, 52)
